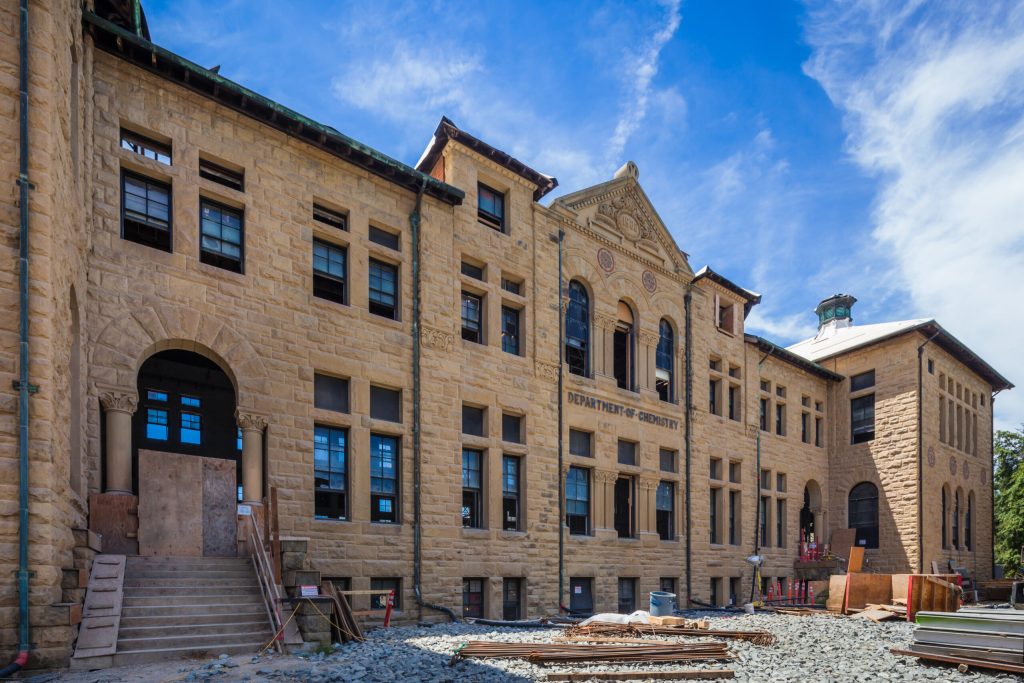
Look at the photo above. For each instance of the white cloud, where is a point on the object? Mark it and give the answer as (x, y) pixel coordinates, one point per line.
(933, 103)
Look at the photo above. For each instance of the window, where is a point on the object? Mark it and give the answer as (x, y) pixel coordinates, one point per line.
(805, 401)
(956, 519)
(714, 498)
(474, 420)
(383, 292)
(667, 584)
(945, 518)
(627, 452)
(156, 424)
(330, 217)
(385, 404)
(763, 503)
(330, 472)
(734, 402)
(766, 385)
(146, 147)
(330, 393)
(667, 460)
(511, 599)
(384, 452)
(510, 330)
(222, 175)
(862, 418)
(665, 510)
(473, 271)
(581, 443)
(511, 428)
(766, 480)
(623, 350)
(734, 371)
(714, 396)
(330, 272)
(780, 482)
(715, 364)
(817, 432)
(627, 595)
(577, 330)
(780, 391)
(780, 419)
(512, 286)
(625, 507)
(472, 316)
(931, 367)
(581, 595)
(664, 373)
(714, 591)
(510, 493)
(968, 522)
(146, 211)
(734, 517)
(221, 229)
(863, 513)
(191, 428)
(780, 523)
(490, 207)
(472, 480)
(384, 238)
(862, 381)
(577, 501)
(726, 315)
(381, 601)
(764, 414)
(734, 472)
(715, 468)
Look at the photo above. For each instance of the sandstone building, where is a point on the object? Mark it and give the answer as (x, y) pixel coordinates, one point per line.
(482, 401)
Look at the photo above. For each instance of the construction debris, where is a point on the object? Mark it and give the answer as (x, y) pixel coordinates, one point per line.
(635, 630)
(682, 675)
(565, 653)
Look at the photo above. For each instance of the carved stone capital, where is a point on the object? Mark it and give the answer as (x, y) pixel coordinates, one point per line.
(250, 422)
(122, 400)
(649, 339)
(605, 477)
(546, 371)
(434, 338)
(648, 484)
(605, 322)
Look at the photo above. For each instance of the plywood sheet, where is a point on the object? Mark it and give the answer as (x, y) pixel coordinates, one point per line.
(220, 525)
(867, 589)
(856, 560)
(900, 586)
(836, 592)
(842, 541)
(97, 635)
(170, 504)
(115, 517)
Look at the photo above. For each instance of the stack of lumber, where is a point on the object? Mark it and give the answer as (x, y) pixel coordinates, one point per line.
(996, 589)
(899, 594)
(568, 653)
(983, 638)
(634, 630)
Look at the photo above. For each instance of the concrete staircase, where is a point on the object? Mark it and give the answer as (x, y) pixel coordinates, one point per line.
(189, 606)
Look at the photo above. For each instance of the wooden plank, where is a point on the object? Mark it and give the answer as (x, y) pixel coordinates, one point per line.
(867, 589)
(900, 588)
(967, 661)
(836, 593)
(856, 560)
(875, 615)
(842, 541)
(170, 504)
(116, 518)
(101, 616)
(220, 496)
(682, 675)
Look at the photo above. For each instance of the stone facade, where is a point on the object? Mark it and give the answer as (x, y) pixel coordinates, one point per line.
(101, 305)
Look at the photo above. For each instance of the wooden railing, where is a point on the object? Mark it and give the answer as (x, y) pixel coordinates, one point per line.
(268, 564)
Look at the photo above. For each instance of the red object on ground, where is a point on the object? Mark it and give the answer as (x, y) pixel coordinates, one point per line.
(387, 610)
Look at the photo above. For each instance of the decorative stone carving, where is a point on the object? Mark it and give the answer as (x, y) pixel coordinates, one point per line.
(605, 322)
(952, 465)
(648, 484)
(648, 339)
(120, 400)
(250, 421)
(966, 468)
(606, 260)
(546, 371)
(650, 282)
(931, 456)
(436, 339)
(605, 477)
(630, 217)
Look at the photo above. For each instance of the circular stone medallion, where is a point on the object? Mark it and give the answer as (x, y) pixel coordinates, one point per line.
(650, 282)
(605, 260)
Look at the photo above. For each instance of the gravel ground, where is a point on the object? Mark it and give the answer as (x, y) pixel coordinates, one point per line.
(808, 649)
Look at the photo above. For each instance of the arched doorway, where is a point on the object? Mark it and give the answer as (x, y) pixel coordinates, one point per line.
(809, 513)
(186, 456)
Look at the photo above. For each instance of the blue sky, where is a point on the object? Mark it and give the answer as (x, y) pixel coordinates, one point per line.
(800, 148)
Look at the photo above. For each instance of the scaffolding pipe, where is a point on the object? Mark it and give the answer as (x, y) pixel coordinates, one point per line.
(21, 659)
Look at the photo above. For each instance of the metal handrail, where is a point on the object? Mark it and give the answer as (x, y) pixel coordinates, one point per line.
(265, 576)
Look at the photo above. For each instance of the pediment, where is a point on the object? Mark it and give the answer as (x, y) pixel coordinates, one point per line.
(620, 210)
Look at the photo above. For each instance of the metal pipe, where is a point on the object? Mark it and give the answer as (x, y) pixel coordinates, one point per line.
(688, 375)
(417, 543)
(757, 483)
(23, 385)
(560, 238)
(992, 502)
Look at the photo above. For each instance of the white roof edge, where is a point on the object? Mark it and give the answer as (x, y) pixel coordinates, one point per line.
(433, 141)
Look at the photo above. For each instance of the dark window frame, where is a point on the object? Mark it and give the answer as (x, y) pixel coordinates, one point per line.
(577, 330)
(327, 285)
(336, 219)
(507, 429)
(472, 489)
(665, 362)
(222, 175)
(385, 238)
(380, 491)
(626, 452)
(491, 218)
(477, 415)
(511, 598)
(862, 429)
(218, 258)
(379, 602)
(670, 457)
(577, 508)
(511, 493)
(377, 296)
(330, 491)
(665, 510)
(327, 389)
(147, 147)
(474, 596)
(862, 380)
(511, 330)
(391, 414)
(579, 434)
(140, 228)
(862, 513)
(469, 332)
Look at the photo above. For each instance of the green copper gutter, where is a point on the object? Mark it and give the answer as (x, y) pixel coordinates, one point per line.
(133, 48)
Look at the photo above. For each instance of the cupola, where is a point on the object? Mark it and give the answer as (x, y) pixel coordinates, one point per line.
(834, 313)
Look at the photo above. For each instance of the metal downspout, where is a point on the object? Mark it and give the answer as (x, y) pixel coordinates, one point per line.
(757, 485)
(22, 385)
(992, 498)
(414, 224)
(688, 373)
(561, 427)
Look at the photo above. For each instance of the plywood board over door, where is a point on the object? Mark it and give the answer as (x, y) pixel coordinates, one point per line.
(186, 505)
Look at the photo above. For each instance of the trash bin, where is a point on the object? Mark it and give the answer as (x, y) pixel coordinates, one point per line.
(662, 604)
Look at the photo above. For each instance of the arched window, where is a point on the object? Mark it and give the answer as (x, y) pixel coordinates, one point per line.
(863, 513)
(665, 363)
(577, 330)
(623, 348)
(945, 519)
(968, 520)
(956, 519)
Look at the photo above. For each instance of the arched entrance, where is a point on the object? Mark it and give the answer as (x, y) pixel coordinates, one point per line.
(810, 513)
(186, 456)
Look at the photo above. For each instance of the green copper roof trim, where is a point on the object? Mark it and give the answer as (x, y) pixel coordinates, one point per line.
(392, 170)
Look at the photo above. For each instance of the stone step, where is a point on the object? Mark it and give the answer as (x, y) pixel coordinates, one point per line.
(197, 620)
(227, 626)
(180, 565)
(190, 589)
(212, 649)
(196, 641)
(132, 559)
(173, 582)
(246, 600)
(186, 610)
(234, 575)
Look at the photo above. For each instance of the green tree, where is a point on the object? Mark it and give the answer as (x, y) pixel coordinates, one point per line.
(1008, 492)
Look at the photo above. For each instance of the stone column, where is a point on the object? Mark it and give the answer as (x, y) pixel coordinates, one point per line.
(119, 406)
(252, 427)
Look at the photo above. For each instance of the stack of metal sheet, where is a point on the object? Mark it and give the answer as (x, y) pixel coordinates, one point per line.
(994, 635)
